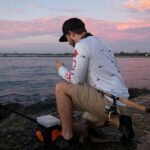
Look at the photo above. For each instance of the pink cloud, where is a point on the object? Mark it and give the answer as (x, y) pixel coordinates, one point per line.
(28, 28)
(110, 31)
(139, 5)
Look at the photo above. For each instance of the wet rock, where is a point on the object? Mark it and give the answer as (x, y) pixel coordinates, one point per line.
(138, 116)
(135, 92)
(5, 114)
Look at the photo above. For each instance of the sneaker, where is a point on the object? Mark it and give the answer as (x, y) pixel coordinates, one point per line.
(85, 132)
(96, 135)
(63, 144)
(125, 127)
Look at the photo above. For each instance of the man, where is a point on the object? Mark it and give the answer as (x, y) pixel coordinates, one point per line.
(94, 84)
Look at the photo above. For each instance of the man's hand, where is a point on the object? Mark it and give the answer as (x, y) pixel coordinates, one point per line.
(58, 64)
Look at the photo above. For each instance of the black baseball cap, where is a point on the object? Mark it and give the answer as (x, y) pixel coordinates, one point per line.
(70, 25)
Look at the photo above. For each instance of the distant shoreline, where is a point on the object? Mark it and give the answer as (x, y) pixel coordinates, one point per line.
(126, 55)
(35, 55)
(132, 56)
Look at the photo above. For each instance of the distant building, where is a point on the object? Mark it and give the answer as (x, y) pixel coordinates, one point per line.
(146, 54)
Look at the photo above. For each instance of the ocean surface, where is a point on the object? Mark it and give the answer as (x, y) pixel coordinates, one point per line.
(28, 80)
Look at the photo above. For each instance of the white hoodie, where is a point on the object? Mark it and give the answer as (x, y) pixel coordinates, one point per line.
(95, 65)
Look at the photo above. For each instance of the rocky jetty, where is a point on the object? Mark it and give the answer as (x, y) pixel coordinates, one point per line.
(17, 133)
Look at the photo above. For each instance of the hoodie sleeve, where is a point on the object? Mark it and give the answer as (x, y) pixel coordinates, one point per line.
(79, 68)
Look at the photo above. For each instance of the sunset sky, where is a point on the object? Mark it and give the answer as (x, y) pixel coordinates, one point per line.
(35, 25)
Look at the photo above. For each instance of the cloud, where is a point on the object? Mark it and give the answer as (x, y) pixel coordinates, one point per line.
(12, 29)
(39, 7)
(72, 10)
(5, 10)
(138, 5)
(11, 0)
(42, 34)
(119, 31)
(110, 31)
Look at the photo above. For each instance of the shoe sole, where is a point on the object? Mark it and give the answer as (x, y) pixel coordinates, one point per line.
(126, 127)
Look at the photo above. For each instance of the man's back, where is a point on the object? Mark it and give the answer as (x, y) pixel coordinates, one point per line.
(102, 72)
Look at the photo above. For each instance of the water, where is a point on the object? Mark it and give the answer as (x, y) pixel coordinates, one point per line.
(32, 79)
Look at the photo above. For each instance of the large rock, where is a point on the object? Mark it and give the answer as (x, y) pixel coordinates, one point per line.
(17, 133)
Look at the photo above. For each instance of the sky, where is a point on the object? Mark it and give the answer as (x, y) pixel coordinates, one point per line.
(34, 26)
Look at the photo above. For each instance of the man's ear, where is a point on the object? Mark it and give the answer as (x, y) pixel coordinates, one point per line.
(71, 34)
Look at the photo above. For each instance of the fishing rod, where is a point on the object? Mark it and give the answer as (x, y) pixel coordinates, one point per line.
(18, 113)
(48, 128)
(132, 104)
